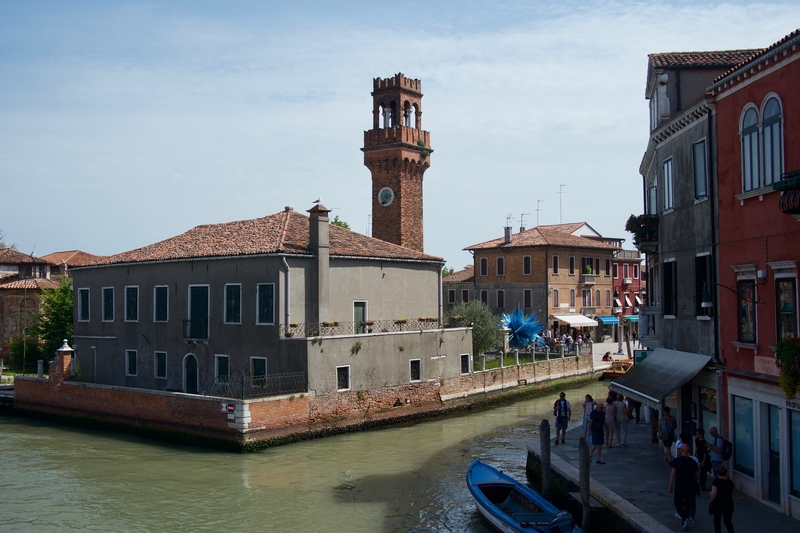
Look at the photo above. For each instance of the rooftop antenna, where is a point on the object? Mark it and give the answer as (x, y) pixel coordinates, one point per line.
(537, 211)
(522, 221)
(509, 218)
(560, 196)
(369, 225)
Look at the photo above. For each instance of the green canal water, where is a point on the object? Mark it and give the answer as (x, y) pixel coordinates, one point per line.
(402, 479)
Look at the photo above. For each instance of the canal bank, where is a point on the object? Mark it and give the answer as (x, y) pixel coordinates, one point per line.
(633, 486)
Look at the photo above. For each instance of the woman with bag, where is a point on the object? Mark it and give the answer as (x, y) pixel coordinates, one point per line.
(721, 504)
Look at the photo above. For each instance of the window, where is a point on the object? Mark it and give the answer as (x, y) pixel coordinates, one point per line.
(652, 200)
(485, 297)
(555, 298)
(616, 270)
(83, 305)
(702, 273)
(160, 365)
(586, 297)
(608, 298)
(131, 304)
(667, 177)
(625, 270)
(700, 170)
(794, 449)
(501, 266)
(750, 167)
(746, 296)
(258, 367)
(597, 301)
(743, 434)
(572, 297)
(526, 299)
(484, 266)
(108, 304)
(526, 265)
(501, 298)
(130, 362)
(465, 363)
(265, 303)
(773, 142)
(451, 296)
(596, 266)
(786, 307)
(571, 265)
(555, 264)
(233, 303)
(221, 366)
(670, 289)
(199, 309)
(416, 372)
(465, 295)
(343, 378)
(608, 267)
(635, 271)
(161, 305)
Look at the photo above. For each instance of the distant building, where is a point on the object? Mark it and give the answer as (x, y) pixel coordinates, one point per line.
(458, 287)
(71, 258)
(629, 288)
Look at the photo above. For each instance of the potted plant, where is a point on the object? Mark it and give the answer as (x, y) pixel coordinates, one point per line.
(643, 227)
(401, 321)
(787, 358)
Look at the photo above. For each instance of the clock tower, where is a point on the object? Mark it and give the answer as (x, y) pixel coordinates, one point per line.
(397, 152)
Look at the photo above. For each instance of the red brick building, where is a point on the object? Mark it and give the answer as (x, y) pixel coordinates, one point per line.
(757, 114)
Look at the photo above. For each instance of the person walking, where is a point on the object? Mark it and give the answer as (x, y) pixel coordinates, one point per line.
(667, 434)
(563, 413)
(610, 408)
(683, 484)
(621, 421)
(653, 425)
(715, 449)
(588, 408)
(721, 502)
(597, 420)
(703, 457)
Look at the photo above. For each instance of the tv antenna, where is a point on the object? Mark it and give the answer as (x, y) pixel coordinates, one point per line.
(537, 211)
(560, 196)
(509, 218)
(522, 221)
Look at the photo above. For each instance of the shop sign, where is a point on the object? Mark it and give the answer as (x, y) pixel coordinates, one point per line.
(793, 404)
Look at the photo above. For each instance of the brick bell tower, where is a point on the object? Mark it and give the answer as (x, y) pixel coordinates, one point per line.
(397, 152)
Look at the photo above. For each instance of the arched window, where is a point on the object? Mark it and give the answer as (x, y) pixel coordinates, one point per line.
(384, 114)
(555, 264)
(572, 265)
(555, 298)
(750, 151)
(392, 115)
(773, 142)
(407, 114)
(572, 297)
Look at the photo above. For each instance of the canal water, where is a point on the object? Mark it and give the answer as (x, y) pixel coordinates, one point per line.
(401, 479)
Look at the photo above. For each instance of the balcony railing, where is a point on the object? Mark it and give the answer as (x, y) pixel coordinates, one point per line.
(588, 279)
(790, 199)
(244, 387)
(326, 329)
(645, 232)
(195, 329)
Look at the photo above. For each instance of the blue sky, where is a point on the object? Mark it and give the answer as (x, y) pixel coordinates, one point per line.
(125, 123)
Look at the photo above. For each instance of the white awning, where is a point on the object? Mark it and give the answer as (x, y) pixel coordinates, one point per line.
(576, 320)
(627, 301)
(661, 373)
(638, 300)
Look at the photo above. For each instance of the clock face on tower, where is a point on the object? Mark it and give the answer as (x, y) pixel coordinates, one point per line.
(385, 196)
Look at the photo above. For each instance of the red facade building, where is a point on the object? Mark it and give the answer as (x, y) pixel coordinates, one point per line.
(757, 115)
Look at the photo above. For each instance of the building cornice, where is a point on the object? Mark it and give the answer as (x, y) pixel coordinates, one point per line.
(670, 129)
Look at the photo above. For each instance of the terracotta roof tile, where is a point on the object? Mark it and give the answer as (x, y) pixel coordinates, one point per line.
(30, 284)
(282, 233)
(543, 236)
(72, 257)
(756, 54)
(718, 59)
(462, 276)
(13, 257)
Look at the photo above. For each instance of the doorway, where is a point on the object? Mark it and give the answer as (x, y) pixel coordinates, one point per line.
(190, 374)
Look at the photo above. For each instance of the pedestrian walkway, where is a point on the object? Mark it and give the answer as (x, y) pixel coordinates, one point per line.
(638, 474)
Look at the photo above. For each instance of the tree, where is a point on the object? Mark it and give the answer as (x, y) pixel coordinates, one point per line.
(485, 326)
(339, 222)
(55, 318)
(447, 271)
(2, 241)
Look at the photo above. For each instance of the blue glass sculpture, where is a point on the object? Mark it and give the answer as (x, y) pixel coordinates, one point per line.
(524, 329)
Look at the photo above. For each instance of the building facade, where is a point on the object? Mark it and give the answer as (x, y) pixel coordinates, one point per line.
(757, 114)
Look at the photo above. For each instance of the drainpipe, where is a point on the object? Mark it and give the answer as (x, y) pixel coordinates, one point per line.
(288, 292)
(440, 292)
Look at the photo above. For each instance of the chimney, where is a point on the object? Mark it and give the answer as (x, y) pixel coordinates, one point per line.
(319, 244)
(508, 234)
(62, 268)
(521, 229)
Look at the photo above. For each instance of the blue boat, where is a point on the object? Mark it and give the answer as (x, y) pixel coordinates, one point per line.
(511, 507)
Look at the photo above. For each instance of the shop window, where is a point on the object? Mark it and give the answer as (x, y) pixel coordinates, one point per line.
(794, 444)
(743, 436)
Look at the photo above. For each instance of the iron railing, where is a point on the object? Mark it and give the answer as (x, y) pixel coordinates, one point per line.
(245, 387)
(326, 329)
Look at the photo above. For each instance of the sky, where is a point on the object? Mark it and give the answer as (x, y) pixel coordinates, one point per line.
(126, 123)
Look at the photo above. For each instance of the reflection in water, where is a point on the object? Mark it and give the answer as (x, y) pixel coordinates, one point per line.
(400, 479)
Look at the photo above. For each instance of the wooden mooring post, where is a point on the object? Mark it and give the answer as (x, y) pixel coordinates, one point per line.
(584, 465)
(544, 437)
